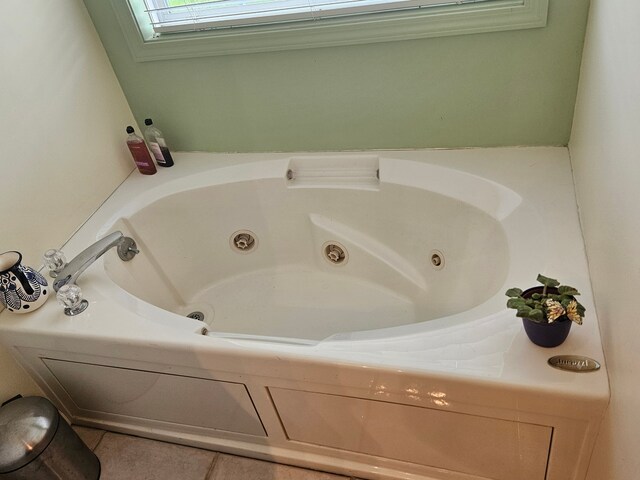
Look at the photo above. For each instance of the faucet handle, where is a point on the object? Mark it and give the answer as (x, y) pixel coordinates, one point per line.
(70, 297)
(55, 261)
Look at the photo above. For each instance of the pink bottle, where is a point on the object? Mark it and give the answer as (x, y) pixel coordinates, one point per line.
(140, 154)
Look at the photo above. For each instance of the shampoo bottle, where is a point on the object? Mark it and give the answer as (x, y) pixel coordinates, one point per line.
(157, 144)
(140, 154)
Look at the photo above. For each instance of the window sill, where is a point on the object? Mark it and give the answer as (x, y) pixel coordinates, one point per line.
(384, 27)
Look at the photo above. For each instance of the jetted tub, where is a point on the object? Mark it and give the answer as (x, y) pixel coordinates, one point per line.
(342, 311)
(422, 242)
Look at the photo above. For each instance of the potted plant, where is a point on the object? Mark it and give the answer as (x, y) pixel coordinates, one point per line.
(547, 311)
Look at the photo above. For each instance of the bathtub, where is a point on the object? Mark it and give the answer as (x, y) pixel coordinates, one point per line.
(339, 311)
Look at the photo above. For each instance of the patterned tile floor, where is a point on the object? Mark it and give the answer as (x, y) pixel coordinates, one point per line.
(124, 457)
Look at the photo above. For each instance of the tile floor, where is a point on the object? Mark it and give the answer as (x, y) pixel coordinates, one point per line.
(124, 457)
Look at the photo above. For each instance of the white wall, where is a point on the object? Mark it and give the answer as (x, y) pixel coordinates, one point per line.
(62, 120)
(605, 152)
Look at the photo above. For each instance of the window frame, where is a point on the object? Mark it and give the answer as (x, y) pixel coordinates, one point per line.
(496, 15)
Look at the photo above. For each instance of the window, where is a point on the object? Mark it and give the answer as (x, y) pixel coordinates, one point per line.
(167, 16)
(164, 29)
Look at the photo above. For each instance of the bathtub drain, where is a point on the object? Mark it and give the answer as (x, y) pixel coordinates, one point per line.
(196, 316)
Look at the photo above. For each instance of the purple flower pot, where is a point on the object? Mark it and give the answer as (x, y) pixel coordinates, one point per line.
(546, 335)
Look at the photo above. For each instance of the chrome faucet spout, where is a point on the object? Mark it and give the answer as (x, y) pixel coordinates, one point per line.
(126, 246)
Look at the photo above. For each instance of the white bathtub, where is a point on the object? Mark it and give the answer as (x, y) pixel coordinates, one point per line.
(400, 361)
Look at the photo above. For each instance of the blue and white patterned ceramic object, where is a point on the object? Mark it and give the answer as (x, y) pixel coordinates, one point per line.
(22, 289)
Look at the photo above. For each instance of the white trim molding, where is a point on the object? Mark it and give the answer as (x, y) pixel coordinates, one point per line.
(497, 15)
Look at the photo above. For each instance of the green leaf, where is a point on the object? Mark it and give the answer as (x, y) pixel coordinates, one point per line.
(547, 282)
(515, 303)
(523, 312)
(513, 292)
(536, 296)
(567, 290)
(536, 315)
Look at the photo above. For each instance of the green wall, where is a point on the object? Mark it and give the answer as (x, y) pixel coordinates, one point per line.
(490, 89)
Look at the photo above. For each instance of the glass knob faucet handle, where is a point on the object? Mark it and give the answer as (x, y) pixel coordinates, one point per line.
(55, 261)
(70, 297)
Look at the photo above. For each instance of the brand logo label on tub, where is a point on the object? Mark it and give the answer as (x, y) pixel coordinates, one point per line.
(574, 363)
